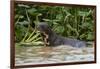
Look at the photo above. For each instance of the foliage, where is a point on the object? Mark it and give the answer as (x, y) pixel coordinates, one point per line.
(74, 22)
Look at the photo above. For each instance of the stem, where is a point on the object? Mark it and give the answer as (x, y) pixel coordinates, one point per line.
(17, 20)
(28, 27)
(34, 37)
(30, 35)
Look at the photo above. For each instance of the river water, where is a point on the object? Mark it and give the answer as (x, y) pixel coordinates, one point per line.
(26, 55)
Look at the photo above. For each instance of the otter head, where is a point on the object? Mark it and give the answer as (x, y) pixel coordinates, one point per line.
(44, 28)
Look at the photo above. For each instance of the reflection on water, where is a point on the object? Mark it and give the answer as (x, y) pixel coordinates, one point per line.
(25, 55)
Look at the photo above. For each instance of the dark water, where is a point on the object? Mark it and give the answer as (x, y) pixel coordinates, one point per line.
(26, 55)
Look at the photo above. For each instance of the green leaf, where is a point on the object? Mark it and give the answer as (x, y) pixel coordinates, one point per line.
(59, 29)
(81, 13)
(22, 5)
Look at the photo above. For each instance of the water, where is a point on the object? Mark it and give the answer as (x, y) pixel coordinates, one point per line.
(26, 55)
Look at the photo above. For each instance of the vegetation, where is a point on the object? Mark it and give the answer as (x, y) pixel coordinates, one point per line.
(72, 22)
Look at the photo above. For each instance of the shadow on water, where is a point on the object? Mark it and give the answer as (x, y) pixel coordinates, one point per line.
(40, 54)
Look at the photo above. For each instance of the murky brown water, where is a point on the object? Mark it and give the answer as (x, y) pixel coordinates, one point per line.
(26, 55)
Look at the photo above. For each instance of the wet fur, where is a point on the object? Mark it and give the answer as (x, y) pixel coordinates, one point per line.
(52, 39)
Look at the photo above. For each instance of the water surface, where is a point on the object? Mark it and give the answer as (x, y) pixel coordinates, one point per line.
(26, 55)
